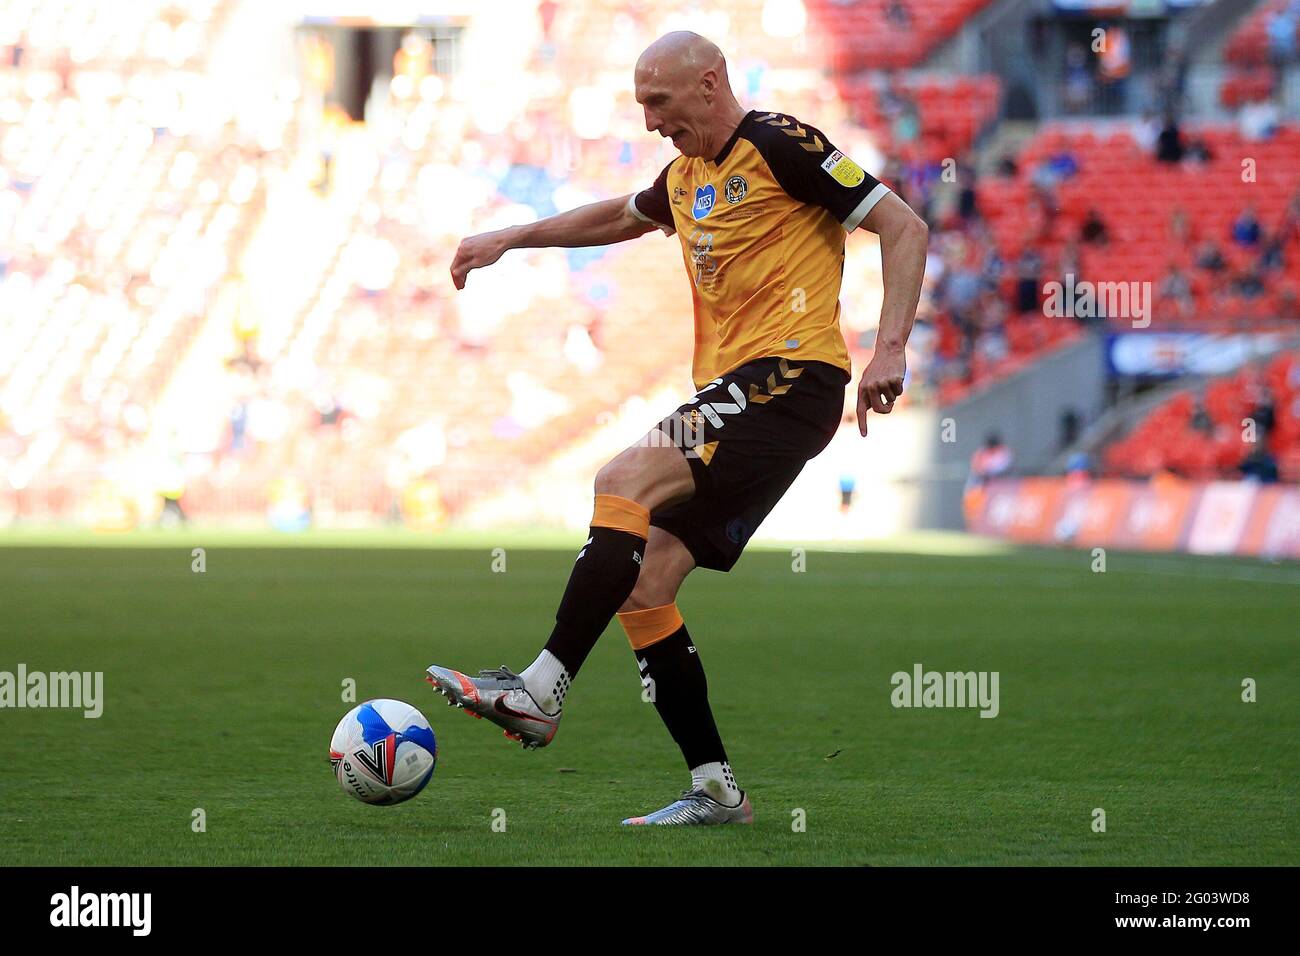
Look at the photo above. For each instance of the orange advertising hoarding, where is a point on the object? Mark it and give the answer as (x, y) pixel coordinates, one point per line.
(1164, 514)
(1158, 515)
(1273, 530)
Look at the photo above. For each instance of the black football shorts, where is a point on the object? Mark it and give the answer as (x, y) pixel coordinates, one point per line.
(747, 435)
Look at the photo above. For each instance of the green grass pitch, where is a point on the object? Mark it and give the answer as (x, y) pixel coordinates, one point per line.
(1118, 690)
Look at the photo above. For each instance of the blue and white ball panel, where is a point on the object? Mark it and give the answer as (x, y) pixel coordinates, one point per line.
(383, 751)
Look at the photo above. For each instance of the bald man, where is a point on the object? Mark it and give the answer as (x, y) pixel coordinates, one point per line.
(761, 204)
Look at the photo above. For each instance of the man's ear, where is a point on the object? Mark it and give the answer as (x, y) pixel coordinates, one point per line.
(709, 81)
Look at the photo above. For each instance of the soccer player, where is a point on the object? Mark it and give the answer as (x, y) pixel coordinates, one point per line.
(761, 203)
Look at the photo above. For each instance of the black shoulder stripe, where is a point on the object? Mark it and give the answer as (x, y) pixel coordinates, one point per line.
(807, 137)
(809, 168)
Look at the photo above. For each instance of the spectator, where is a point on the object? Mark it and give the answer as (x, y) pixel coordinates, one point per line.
(967, 197)
(1078, 470)
(1177, 290)
(1273, 258)
(1180, 230)
(1114, 66)
(1171, 78)
(1071, 263)
(1209, 258)
(898, 15)
(247, 359)
(64, 68)
(1071, 427)
(1249, 284)
(907, 124)
(1289, 230)
(1028, 274)
(1288, 304)
(169, 480)
(990, 461)
(1146, 132)
(1281, 32)
(413, 61)
(1078, 80)
(1258, 120)
(1263, 410)
(1260, 465)
(892, 96)
(1201, 421)
(848, 482)
(989, 329)
(1198, 152)
(994, 267)
(1062, 165)
(238, 427)
(329, 411)
(1094, 231)
(1169, 143)
(1049, 174)
(962, 286)
(16, 51)
(1246, 230)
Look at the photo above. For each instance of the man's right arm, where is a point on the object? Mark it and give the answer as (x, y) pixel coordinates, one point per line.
(597, 224)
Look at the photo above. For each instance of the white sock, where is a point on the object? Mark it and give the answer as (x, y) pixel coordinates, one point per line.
(548, 682)
(717, 781)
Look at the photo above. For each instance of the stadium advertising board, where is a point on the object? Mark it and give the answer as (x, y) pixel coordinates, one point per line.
(1165, 514)
(1159, 354)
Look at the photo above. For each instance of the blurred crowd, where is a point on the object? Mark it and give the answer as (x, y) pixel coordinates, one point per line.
(305, 253)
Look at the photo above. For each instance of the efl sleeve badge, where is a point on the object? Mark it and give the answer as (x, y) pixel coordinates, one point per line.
(843, 170)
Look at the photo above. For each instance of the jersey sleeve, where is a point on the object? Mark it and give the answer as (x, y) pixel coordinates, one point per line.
(810, 169)
(651, 205)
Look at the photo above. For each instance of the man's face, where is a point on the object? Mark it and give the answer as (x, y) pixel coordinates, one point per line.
(674, 110)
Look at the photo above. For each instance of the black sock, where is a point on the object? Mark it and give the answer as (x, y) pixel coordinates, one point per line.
(672, 671)
(603, 577)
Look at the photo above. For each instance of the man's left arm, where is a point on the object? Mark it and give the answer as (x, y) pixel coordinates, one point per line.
(903, 240)
(810, 169)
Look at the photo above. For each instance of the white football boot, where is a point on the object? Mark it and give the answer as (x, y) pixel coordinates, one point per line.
(500, 696)
(696, 808)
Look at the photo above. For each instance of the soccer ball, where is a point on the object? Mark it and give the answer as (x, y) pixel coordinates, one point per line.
(383, 752)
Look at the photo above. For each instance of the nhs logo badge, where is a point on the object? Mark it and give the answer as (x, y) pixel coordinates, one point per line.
(704, 197)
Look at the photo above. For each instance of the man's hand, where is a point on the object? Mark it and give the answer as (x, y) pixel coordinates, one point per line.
(882, 383)
(595, 224)
(477, 252)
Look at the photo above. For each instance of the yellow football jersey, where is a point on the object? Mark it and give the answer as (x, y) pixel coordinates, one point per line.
(762, 229)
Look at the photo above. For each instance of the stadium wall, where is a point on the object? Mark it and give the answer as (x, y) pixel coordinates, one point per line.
(1025, 409)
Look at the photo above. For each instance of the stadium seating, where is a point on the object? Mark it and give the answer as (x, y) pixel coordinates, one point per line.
(888, 34)
(951, 113)
(501, 372)
(396, 354)
(123, 236)
(115, 229)
(1250, 76)
(1137, 198)
(1248, 45)
(1199, 433)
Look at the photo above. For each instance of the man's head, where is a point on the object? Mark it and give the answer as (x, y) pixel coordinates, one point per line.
(681, 83)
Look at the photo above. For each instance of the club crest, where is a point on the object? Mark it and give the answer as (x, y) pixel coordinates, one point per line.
(735, 189)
